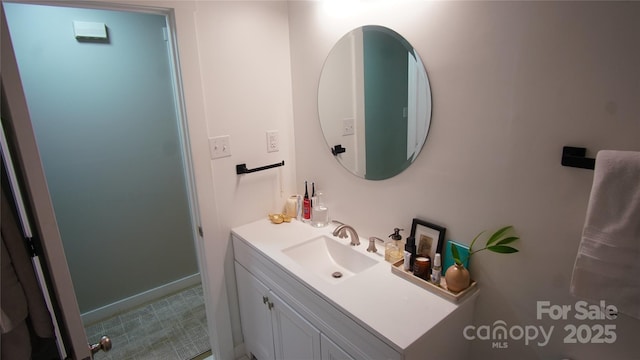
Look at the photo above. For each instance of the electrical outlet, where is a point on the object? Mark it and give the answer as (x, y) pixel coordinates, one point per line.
(347, 127)
(273, 143)
(219, 147)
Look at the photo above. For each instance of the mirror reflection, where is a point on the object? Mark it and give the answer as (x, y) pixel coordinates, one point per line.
(374, 102)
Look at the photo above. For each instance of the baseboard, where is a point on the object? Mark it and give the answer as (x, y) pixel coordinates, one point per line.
(119, 306)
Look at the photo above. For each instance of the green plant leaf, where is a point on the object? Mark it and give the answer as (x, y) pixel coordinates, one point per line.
(455, 254)
(474, 240)
(502, 249)
(508, 240)
(496, 235)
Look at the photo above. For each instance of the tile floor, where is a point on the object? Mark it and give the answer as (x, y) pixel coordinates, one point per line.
(171, 328)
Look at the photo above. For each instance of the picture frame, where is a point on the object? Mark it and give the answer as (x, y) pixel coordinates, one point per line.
(429, 238)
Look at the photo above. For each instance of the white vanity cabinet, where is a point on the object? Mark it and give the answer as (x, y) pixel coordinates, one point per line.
(272, 330)
(288, 312)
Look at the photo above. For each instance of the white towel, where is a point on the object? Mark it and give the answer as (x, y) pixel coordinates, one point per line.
(607, 266)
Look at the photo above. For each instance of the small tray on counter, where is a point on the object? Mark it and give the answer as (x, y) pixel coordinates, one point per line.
(441, 290)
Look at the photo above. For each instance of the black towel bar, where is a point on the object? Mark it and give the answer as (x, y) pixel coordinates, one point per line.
(576, 157)
(242, 168)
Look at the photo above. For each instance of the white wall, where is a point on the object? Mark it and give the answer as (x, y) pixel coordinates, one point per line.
(337, 100)
(512, 83)
(245, 70)
(235, 68)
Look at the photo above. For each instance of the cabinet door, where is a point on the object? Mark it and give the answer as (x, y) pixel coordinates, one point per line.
(293, 336)
(331, 351)
(255, 316)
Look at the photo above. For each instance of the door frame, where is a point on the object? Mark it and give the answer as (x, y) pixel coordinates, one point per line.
(186, 76)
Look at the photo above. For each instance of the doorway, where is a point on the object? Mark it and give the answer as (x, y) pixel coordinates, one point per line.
(108, 129)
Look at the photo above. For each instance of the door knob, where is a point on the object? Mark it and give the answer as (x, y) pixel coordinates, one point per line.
(104, 344)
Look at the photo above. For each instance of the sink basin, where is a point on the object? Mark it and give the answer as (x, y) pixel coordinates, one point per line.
(329, 258)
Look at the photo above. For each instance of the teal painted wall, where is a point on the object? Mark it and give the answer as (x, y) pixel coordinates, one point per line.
(385, 83)
(105, 121)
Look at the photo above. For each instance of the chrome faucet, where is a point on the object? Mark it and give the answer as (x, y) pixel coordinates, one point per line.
(372, 244)
(342, 230)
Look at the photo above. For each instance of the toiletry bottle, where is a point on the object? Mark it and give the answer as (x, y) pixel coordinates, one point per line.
(306, 204)
(314, 200)
(319, 212)
(436, 271)
(291, 206)
(392, 252)
(409, 253)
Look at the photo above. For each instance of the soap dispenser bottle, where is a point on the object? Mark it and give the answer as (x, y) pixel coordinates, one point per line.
(392, 252)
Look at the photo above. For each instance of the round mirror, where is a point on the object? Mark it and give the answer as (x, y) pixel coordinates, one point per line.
(374, 102)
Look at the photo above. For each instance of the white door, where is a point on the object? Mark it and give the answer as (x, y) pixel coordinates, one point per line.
(253, 298)
(294, 337)
(69, 316)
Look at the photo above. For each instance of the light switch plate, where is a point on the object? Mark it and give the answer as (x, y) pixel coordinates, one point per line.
(220, 146)
(347, 126)
(273, 141)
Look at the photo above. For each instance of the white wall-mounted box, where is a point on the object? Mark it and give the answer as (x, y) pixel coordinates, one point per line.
(90, 30)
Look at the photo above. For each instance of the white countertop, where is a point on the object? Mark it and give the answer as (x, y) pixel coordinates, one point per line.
(388, 305)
